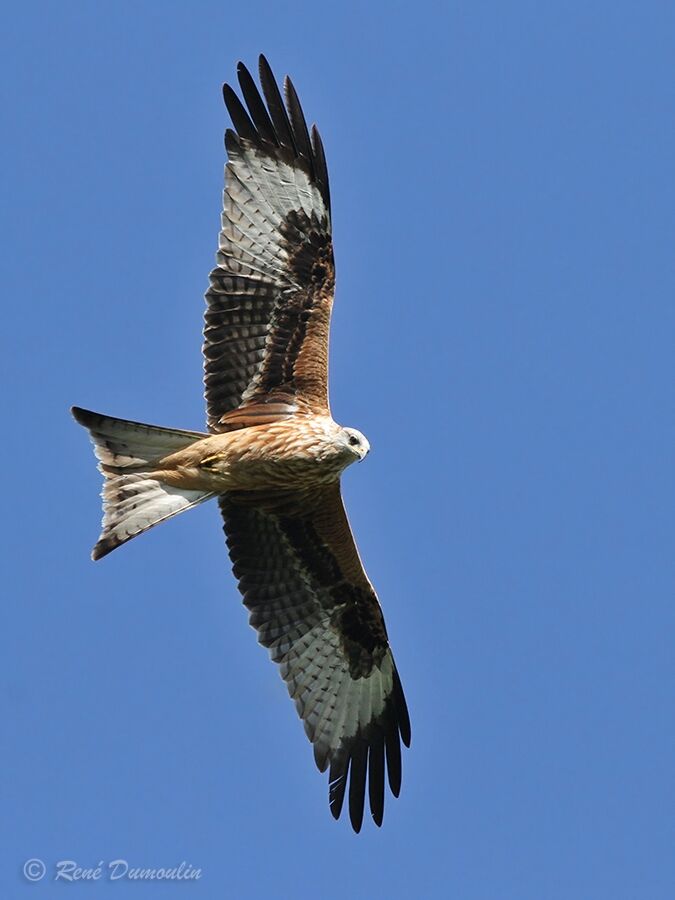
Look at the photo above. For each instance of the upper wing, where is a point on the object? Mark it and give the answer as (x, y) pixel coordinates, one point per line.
(313, 606)
(270, 297)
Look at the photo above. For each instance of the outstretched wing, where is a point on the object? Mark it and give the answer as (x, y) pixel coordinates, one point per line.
(271, 293)
(314, 608)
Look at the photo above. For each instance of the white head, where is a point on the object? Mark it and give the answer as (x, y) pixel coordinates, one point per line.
(356, 444)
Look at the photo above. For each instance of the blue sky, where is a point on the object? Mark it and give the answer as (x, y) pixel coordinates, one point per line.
(503, 218)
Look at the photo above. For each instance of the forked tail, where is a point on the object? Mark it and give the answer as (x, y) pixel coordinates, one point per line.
(128, 453)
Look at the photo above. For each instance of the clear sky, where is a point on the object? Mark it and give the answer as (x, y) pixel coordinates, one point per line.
(504, 205)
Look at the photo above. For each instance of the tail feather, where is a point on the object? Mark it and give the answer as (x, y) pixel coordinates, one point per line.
(133, 499)
(121, 443)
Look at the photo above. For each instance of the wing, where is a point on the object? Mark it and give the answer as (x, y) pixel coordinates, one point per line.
(313, 607)
(271, 293)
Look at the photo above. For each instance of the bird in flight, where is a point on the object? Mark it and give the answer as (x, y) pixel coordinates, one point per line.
(273, 456)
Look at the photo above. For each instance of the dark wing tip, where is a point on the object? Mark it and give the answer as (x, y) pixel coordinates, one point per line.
(255, 104)
(83, 417)
(363, 759)
(105, 546)
(337, 782)
(276, 107)
(321, 754)
(357, 783)
(376, 777)
(320, 166)
(231, 140)
(299, 125)
(272, 123)
(401, 710)
(393, 754)
(240, 118)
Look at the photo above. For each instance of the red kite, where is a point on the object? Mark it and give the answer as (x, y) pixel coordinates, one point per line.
(273, 455)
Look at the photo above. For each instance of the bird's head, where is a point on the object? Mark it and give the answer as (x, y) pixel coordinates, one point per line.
(355, 443)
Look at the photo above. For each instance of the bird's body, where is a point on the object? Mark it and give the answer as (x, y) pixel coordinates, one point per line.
(293, 454)
(273, 455)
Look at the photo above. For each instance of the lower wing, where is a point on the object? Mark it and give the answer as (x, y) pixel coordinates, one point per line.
(313, 607)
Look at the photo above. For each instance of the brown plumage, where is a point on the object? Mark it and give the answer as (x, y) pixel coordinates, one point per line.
(273, 455)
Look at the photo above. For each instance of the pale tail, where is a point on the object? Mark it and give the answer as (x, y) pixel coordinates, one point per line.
(133, 500)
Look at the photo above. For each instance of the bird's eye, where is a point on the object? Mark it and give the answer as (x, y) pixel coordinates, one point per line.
(353, 440)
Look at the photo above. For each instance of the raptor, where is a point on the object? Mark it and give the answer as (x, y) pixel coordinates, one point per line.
(273, 456)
